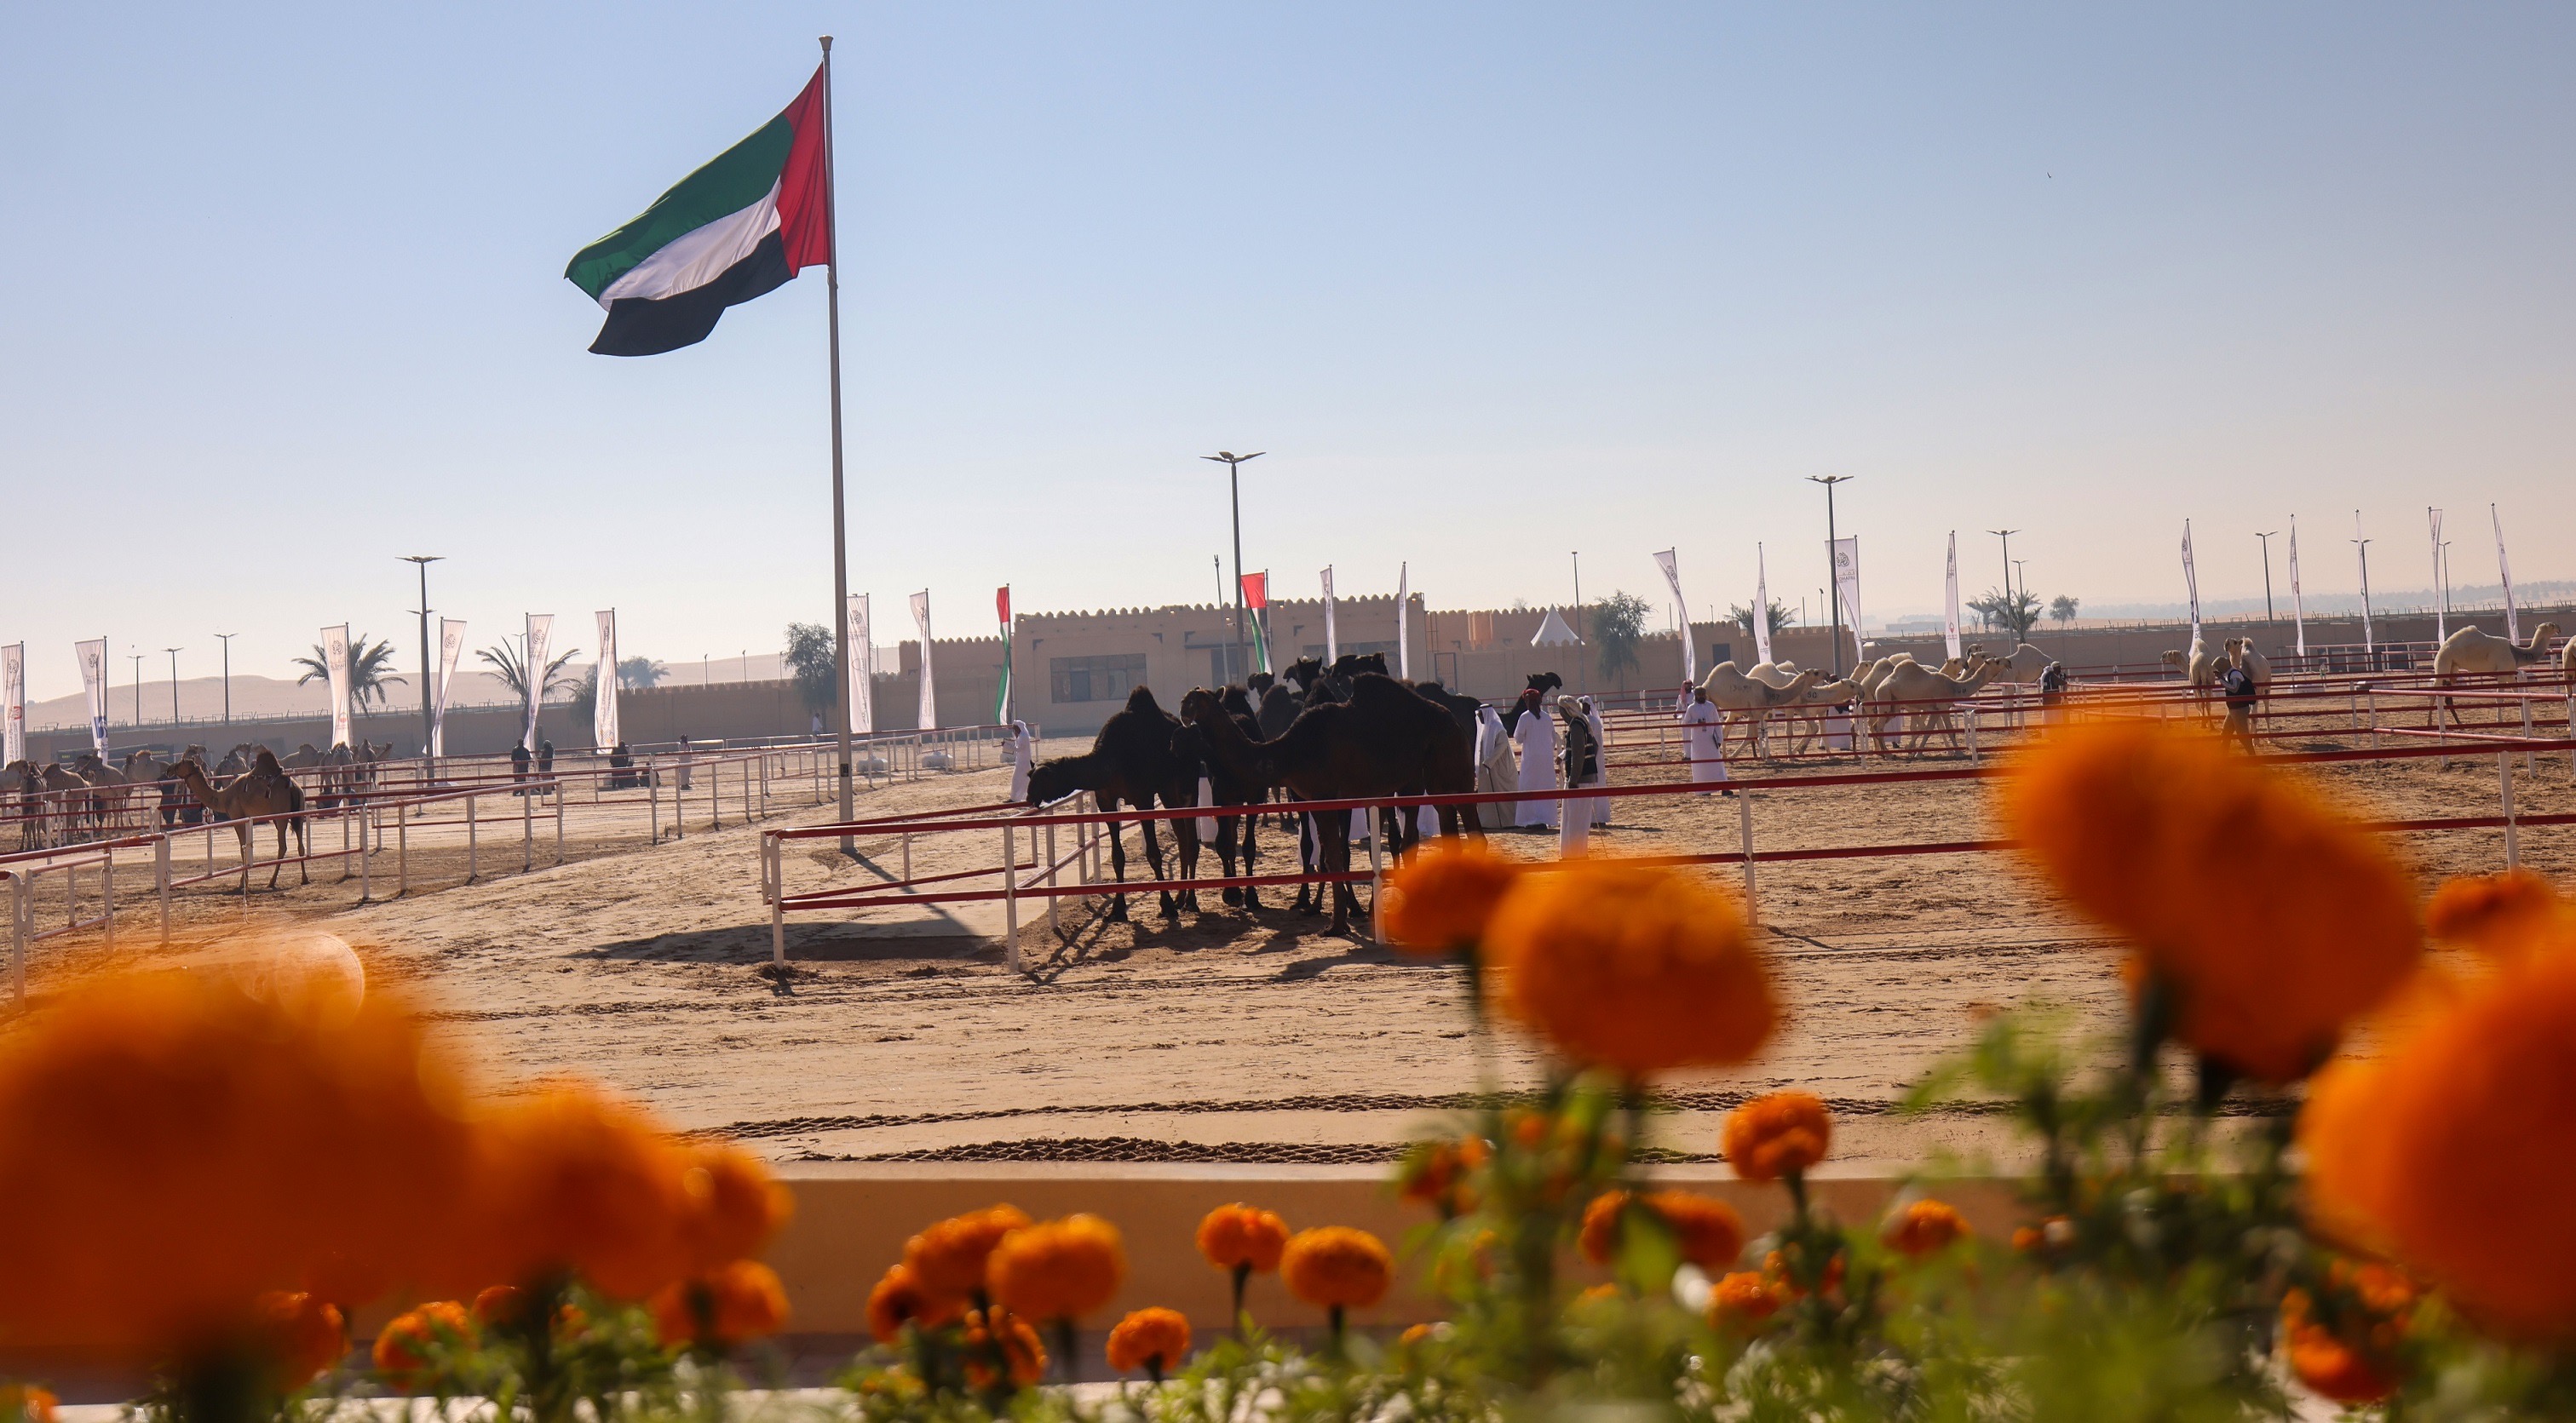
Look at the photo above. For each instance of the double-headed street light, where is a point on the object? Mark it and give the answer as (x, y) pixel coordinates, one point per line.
(1234, 479)
(427, 720)
(1831, 567)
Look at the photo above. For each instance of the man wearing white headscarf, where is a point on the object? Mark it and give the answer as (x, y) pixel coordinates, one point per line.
(1494, 770)
(1601, 767)
(1701, 730)
(1535, 736)
(1023, 759)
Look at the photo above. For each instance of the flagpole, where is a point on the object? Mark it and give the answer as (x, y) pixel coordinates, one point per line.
(840, 530)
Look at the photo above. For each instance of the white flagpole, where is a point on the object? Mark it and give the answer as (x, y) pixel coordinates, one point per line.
(1332, 639)
(1761, 608)
(2298, 604)
(2368, 649)
(2191, 580)
(1950, 622)
(2441, 591)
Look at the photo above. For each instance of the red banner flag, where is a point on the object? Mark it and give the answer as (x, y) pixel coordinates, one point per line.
(1256, 591)
(1002, 603)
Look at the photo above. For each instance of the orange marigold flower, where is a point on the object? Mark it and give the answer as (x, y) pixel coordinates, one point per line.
(1415, 1336)
(1743, 1298)
(500, 1306)
(2496, 913)
(1776, 1269)
(735, 1303)
(188, 1147)
(300, 1334)
(1153, 1339)
(731, 1208)
(1242, 1237)
(2438, 1150)
(577, 1180)
(1337, 1267)
(26, 1403)
(1434, 1173)
(2333, 1370)
(898, 1299)
(1630, 967)
(1925, 1228)
(403, 1348)
(1706, 1231)
(1776, 1134)
(1021, 1351)
(1058, 1269)
(1439, 899)
(2271, 919)
(949, 1257)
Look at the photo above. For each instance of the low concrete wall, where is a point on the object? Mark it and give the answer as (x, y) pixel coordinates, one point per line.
(852, 1219)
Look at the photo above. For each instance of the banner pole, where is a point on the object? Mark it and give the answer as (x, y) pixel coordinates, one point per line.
(840, 529)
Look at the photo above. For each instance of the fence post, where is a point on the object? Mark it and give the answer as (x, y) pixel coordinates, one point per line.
(715, 807)
(2512, 833)
(471, 839)
(22, 914)
(1377, 868)
(764, 787)
(161, 881)
(907, 862)
(2530, 759)
(527, 833)
(559, 800)
(366, 883)
(2370, 704)
(402, 848)
(1974, 759)
(1050, 880)
(653, 793)
(1744, 837)
(774, 867)
(1010, 902)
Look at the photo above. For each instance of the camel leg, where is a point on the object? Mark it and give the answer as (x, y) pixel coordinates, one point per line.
(1251, 893)
(1336, 859)
(1310, 858)
(280, 862)
(1225, 834)
(1185, 835)
(1154, 860)
(1117, 862)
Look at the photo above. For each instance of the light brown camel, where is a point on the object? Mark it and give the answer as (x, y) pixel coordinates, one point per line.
(246, 798)
(1739, 697)
(22, 789)
(1811, 703)
(2023, 666)
(1926, 696)
(2473, 651)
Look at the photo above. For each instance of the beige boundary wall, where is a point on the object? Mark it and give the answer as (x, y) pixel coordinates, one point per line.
(852, 1219)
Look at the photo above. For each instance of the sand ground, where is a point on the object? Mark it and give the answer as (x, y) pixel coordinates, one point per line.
(1222, 1036)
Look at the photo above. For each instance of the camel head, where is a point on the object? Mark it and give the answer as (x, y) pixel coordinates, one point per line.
(2541, 635)
(1198, 705)
(1806, 679)
(1545, 682)
(2171, 658)
(1259, 683)
(1051, 781)
(1302, 674)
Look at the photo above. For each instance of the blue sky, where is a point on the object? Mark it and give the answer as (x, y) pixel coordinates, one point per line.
(1491, 283)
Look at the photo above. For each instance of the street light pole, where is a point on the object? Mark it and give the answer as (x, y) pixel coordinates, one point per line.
(1582, 659)
(138, 689)
(1234, 483)
(1833, 571)
(174, 684)
(228, 676)
(2011, 609)
(423, 561)
(2266, 537)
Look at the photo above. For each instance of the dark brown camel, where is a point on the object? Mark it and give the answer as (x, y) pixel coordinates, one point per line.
(249, 796)
(1131, 762)
(1542, 683)
(1384, 741)
(1225, 788)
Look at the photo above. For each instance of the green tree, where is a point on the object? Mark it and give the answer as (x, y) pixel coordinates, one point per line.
(2018, 613)
(809, 657)
(1618, 625)
(502, 658)
(369, 669)
(1782, 619)
(2061, 609)
(638, 673)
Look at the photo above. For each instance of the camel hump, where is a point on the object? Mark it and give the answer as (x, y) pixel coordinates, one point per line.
(1142, 701)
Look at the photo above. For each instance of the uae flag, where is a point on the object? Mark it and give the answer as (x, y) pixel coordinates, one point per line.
(733, 230)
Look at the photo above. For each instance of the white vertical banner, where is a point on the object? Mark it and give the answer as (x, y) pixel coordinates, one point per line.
(603, 709)
(929, 695)
(2361, 546)
(1332, 639)
(1847, 586)
(13, 703)
(2441, 585)
(1950, 609)
(1761, 608)
(2298, 604)
(2512, 624)
(863, 667)
(451, 645)
(93, 665)
(1404, 624)
(2190, 580)
(335, 660)
(541, 631)
(1670, 562)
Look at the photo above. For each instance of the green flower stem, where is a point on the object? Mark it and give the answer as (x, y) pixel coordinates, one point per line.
(1242, 1277)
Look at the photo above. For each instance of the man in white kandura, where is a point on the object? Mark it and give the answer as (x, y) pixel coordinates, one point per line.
(1024, 755)
(1601, 766)
(1535, 735)
(1494, 770)
(1700, 731)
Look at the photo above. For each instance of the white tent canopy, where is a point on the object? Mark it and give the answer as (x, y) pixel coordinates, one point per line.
(1554, 633)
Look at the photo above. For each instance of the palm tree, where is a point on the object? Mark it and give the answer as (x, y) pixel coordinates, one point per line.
(1781, 616)
(638, 673)
(368, 667)
(504, 659)
(2062, 608)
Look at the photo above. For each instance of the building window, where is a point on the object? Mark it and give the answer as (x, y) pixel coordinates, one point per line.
(1095, 679)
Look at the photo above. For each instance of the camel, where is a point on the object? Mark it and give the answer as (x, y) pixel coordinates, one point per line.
(1131, 761)
(140, 768)
(1836, 693)
(1543, 683)
(1737, 695)
(1876, 672)
(2240, 650)
(1385, 740)
(24, 787)
(247, 798)
(2472, 651)
(1773, 674)
(1916, 691)
(110, 796)
(2023, 666)
(1225, 788)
